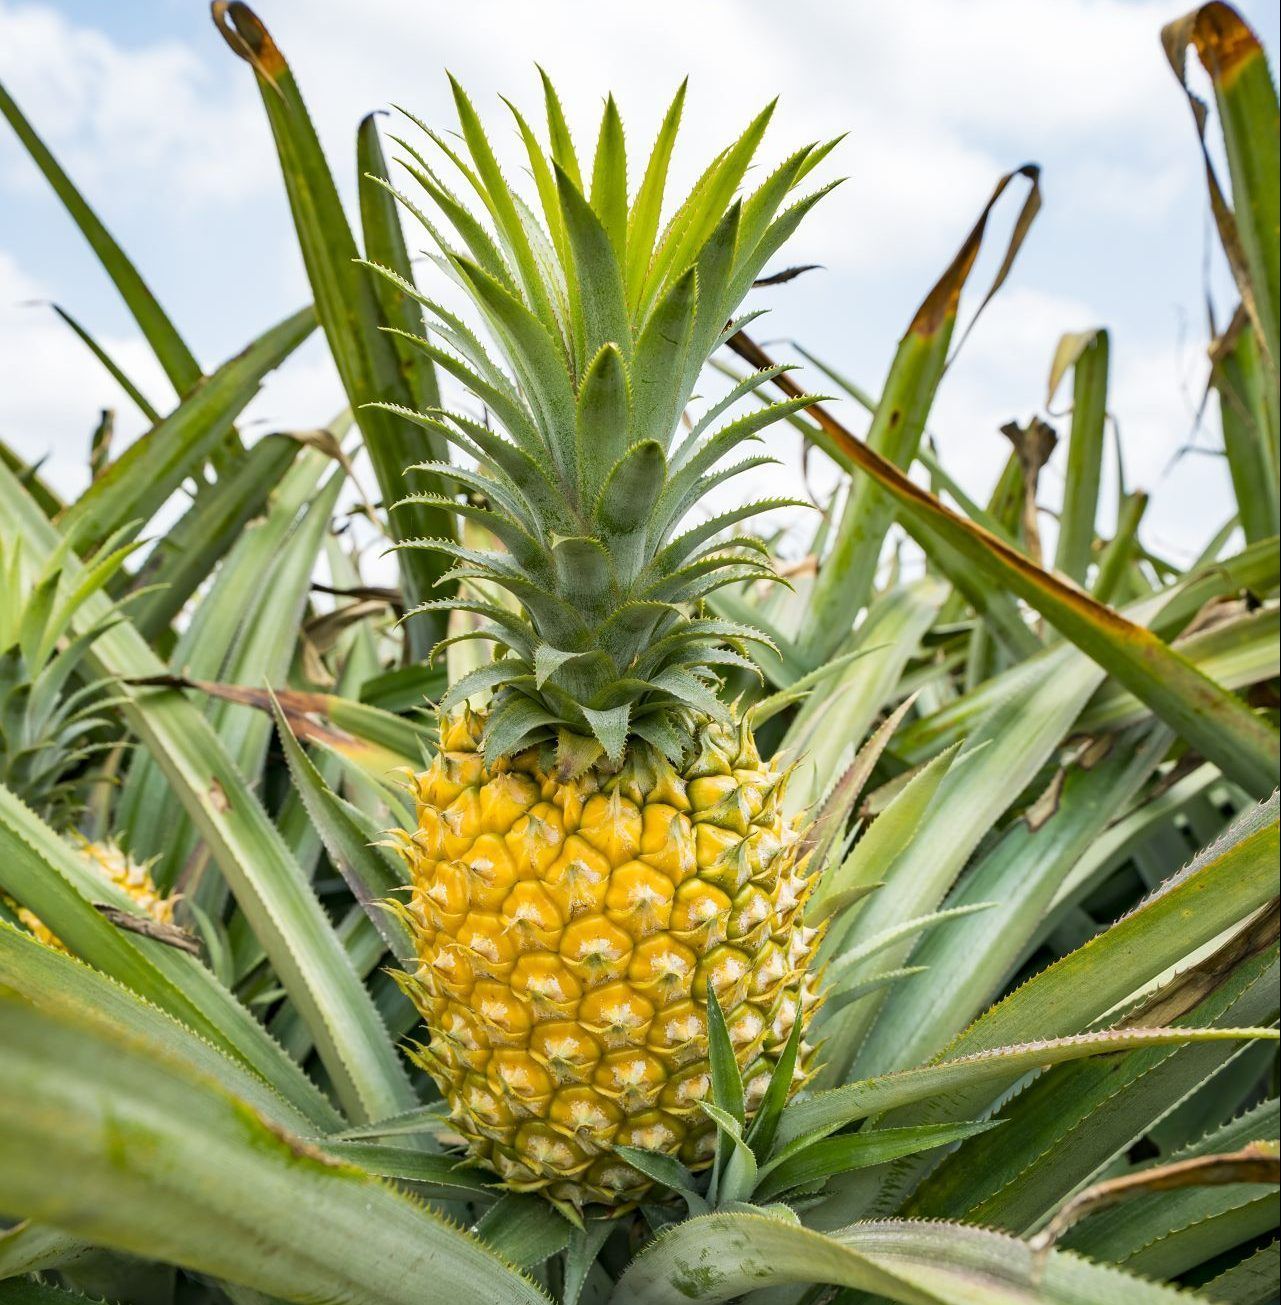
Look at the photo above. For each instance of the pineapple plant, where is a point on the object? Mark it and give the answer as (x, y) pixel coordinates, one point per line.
(51, 728)
(600, 845)
(907, 932)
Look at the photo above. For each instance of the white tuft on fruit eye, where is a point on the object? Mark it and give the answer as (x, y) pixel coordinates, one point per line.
(621, 1016)
(515, 1076)
(630, 1073)
(619, 1177)
(653, 1137)
(746, 1028)
(485, 947)
(550, 1151)
(684, 1029)
(586, 1116)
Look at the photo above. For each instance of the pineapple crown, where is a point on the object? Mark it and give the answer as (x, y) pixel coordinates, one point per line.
(51, 717)
(603, 318)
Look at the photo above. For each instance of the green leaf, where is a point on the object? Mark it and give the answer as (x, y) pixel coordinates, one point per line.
(1065, 1127)
(845, 581)
(44, 873)
(1246, 95)
(603, 421)
(627, 497)
(420, 1121)
(885, 839)
(1148, 1217)
(1223, 885)
(140, 400)
(976, 1076)
(727, 1090)
(229, 615)
(727, 1082)
(269, 885)
(764, 1126)
(669, 1171)
(524, 1230)
(347, 305)
(693, 227)
(29, 477)
(1220, 887)
(584, 1246)
(1001, 756)
(1087, 354)
(1166, 613)
(856, 991)
(1120, 551)
(26, 1292)
(1241, 377)
(31, 1247)
(56, 984)
(511, 724)
(803, 1164)
(642, 225)
(385, 245)
(1253, 1281)
(157, 329)
(830, 725)
(721, 1256)
(138, 482)
(1213, 720)
(850, 958)
(1019, 875)
(733, 1178)
(261, 643)
(187, 553)
(610, 729)
(662, 352)
(135, 1149)
(488, 181)
(584, 576)
(448, 1173)
(609, 179)
(562, 142)
(596, 272)
(370, 873)
(535, 354)
(768, 707)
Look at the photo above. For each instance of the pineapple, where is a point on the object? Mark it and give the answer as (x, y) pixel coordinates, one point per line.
(114, 866)
(48, 730)
(600, 846)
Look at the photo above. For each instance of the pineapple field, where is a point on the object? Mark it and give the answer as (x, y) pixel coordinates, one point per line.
(476, 851)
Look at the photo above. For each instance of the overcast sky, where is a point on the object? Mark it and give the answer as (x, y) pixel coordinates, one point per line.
(162, 128)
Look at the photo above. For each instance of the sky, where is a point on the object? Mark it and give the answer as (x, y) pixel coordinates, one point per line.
(162, 128)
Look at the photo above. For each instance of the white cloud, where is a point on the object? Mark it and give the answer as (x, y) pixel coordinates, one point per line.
(148, 123)
(939, 99)
(1154, 392)
(54, 389)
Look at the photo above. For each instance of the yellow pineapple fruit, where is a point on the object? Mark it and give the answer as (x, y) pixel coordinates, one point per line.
(600, 846)
(113, 866)
(52, 722)
(568, 932)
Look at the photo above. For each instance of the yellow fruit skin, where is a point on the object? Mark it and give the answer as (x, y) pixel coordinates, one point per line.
(567, 933)
(114, 866)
